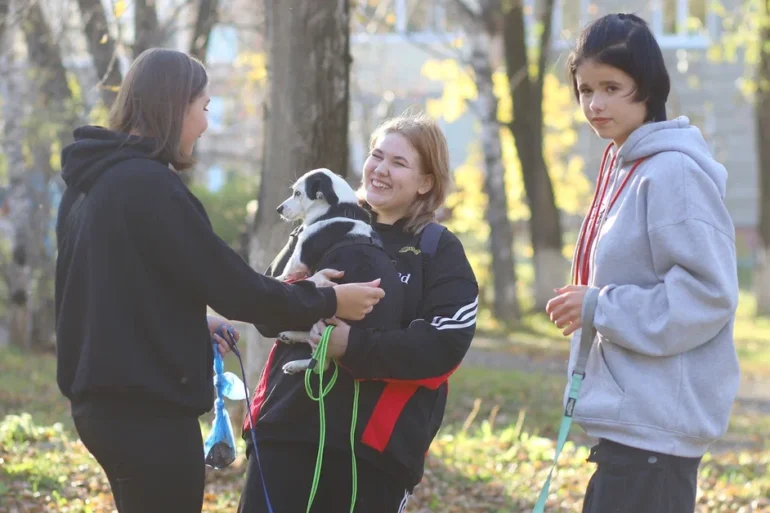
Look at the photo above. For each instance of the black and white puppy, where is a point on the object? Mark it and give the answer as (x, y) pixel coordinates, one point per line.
(329, 210)
(330, 214)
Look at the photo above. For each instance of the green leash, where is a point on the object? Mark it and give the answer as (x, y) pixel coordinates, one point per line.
(578, 374)
(319, 356)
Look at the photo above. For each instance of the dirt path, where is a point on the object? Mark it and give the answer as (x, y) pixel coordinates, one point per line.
(752, 390)
(753, 398)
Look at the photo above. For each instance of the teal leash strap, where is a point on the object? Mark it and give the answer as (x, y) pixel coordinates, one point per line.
(578, 374)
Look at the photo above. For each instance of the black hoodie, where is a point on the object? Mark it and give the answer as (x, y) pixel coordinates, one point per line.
(138, 263)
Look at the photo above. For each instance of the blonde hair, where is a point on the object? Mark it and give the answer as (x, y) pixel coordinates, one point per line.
(426, 137)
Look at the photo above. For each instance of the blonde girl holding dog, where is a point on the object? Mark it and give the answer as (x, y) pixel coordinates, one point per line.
(402, 370)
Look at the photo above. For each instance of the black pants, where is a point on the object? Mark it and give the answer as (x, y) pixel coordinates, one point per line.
(154, 463)
(289, 472)
(630, 480)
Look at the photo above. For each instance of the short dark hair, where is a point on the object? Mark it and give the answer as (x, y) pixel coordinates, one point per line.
(154, 97)
(624, 41)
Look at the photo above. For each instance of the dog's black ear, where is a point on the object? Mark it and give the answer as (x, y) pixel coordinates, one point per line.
(319, 186)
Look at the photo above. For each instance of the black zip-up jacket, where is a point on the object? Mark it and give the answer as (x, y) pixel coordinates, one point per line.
(402, 371)
(138, 264)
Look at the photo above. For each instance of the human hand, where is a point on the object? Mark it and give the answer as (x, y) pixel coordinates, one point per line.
(338, 340)
(355, 300)
(324, 277)
(565, 309)
(218, 328)
(301, 272)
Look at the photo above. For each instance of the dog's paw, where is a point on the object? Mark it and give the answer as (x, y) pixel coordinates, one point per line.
(296, 366)
(293, 337)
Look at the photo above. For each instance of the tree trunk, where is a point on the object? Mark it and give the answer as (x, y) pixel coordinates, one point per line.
(5, 9)
(34, 247)
(527, 128)
(762, 109)
(506, 306)
(307, 120)
(102, 49)
(5, 70)
(147, 31)
(19, 207)
(54, 95)
(205, 20)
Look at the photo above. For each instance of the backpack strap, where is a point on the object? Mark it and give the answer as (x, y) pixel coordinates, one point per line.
(430, 237)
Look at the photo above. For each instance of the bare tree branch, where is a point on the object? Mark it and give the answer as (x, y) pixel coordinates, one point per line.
(168, 27)
(102, 48)
(204, 22)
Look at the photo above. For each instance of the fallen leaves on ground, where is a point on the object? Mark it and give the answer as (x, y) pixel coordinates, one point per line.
(481, 470)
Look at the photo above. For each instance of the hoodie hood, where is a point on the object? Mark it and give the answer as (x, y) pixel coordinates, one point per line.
(96, 150)
(674, 135)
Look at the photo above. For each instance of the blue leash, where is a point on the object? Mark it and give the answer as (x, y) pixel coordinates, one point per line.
(578, 374)
(231, 342)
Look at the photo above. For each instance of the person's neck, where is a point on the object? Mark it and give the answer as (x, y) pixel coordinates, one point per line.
(387, 218)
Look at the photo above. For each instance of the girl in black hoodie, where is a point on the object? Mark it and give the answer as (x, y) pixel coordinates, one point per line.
(138, 264)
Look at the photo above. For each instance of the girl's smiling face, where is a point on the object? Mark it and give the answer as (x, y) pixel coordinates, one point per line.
(393, 177)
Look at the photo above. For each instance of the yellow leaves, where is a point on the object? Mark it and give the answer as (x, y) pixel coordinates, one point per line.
(99, 115)
(55, 159)
(459, 88)
(74, 86)
(571, 187)
(468, 202)
(514, 183)
(714, 53)
(504, 101)
(444, 70)
(119, 8)
(434, 108)
(256, 65)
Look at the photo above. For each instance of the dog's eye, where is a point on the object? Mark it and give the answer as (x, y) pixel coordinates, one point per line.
(296, 193)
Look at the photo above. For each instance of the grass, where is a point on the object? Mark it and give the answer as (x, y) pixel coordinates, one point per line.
(491, 455)
(537, 337)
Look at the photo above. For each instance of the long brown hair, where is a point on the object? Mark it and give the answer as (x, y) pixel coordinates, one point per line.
(154, 98)
(426, 137)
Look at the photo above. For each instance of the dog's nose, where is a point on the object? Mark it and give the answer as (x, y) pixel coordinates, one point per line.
(279, 209)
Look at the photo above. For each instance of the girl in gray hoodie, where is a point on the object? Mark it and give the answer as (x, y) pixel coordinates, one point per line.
(654, 272)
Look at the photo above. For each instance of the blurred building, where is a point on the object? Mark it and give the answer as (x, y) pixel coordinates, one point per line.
(391, 41)
(388, 57)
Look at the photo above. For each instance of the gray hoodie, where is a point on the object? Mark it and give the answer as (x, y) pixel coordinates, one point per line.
(663, 372)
